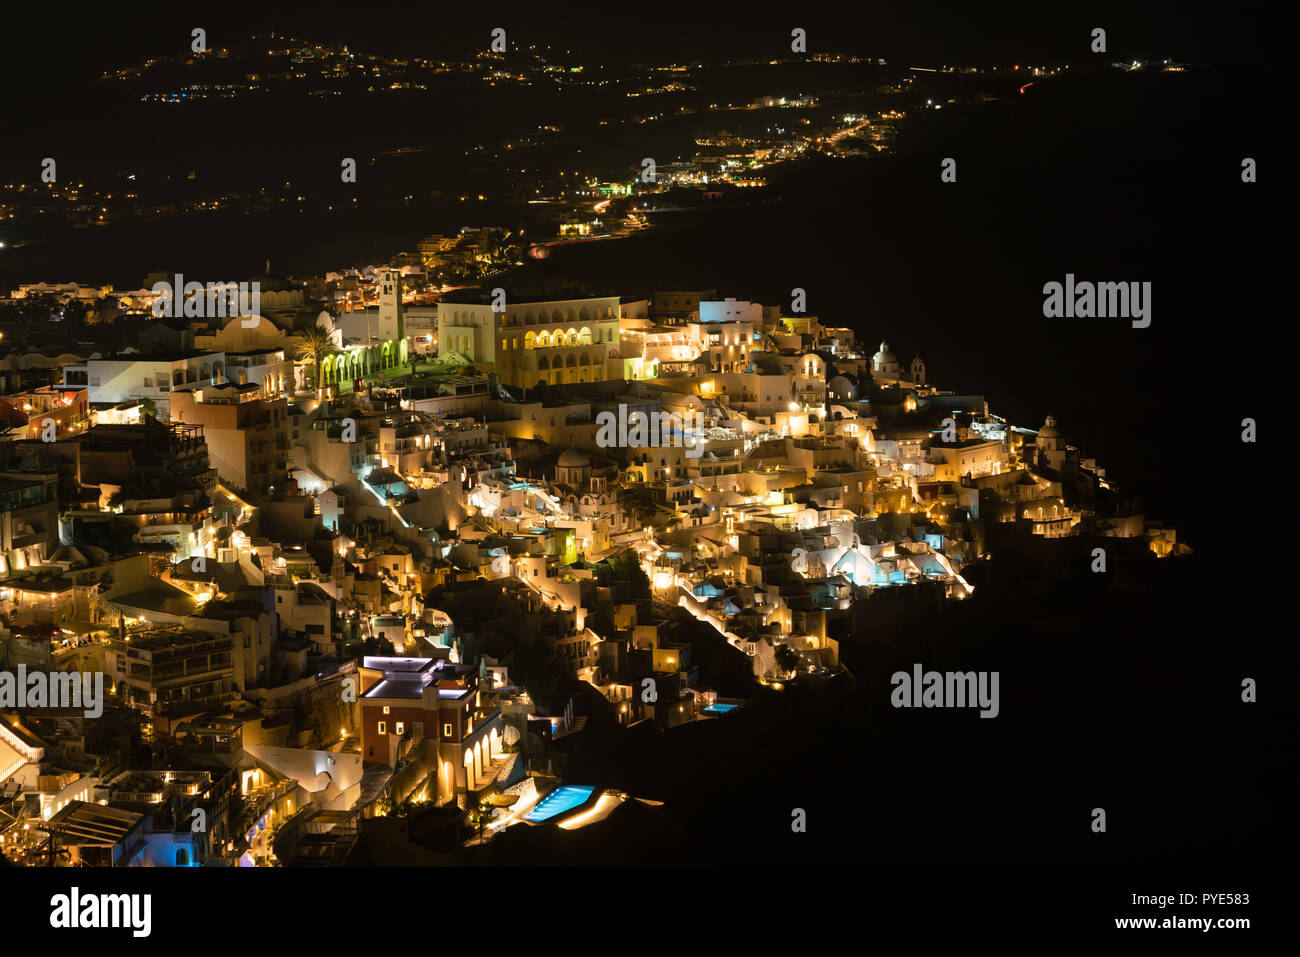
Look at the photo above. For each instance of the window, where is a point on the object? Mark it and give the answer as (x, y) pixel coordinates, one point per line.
(385, 709)
(399, 727)
(381, 728)
(446, 730)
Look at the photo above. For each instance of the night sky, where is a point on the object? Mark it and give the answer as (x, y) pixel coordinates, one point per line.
(58, 55)
(1128, 177)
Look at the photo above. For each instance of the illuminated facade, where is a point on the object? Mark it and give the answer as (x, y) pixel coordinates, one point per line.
(556, 343)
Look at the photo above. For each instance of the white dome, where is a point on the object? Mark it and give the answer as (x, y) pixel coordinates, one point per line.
(1049, 429)
(573, 459)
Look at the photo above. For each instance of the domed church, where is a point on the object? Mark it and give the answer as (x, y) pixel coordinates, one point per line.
(1050, 444)
(573, 469)
(884, 363)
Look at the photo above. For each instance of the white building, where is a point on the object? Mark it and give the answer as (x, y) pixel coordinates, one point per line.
(121, 378)
(731, 310)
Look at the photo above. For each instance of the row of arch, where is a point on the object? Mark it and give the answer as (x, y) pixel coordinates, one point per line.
(534, 317)
(564, 362)
(190, 374)
(569, 376)
(557, 339)
(273, 384)
(593, 357)
(358, 363)
(479, 757)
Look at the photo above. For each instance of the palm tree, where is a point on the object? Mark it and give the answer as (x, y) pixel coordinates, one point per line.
(315, 344)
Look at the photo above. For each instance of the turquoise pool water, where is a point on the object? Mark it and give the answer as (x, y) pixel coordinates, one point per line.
(718, 709)
(560, 801)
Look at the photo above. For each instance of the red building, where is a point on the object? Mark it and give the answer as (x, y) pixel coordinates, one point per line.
(431, 710)
(67, 409)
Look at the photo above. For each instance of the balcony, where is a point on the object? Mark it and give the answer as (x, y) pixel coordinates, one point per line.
(166, 709)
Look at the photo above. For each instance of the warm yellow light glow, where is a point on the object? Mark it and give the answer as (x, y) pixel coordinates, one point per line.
(604, 804)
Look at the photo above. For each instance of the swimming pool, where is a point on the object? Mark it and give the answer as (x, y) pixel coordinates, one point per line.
(718, 709)
(560, 801)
